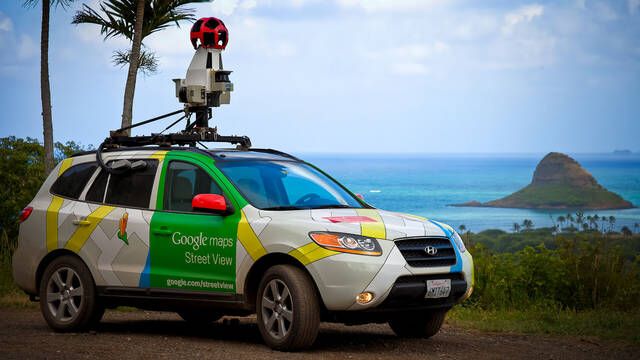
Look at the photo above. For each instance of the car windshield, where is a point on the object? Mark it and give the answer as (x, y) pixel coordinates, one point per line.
(286, 185)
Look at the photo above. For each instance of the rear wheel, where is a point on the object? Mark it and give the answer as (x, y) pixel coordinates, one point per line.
(287, 308)
(68, 297)
(199, 317)
(420, 325)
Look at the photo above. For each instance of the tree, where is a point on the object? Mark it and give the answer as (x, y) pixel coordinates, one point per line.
(120, 18)
(516, 227)
(527, 224)
(585, 227)
(626, 231)
(636, 227)
(45, 86)
(579, 217)
(561, 219)
(612, 221)
(462, 228)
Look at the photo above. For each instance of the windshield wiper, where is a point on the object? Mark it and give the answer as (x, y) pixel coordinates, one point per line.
(334, 206)
(283, 208)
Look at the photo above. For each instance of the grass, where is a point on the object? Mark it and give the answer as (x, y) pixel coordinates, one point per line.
(602, 324)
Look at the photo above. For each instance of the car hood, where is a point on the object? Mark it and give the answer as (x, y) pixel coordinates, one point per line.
(367, 222)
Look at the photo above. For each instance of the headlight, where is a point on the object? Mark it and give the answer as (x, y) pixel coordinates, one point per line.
(458, 240)
(348, 243)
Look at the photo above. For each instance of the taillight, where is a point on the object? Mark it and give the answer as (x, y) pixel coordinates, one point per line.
(24, 214)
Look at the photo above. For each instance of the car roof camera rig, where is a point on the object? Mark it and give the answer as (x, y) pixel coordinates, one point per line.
(205, 86)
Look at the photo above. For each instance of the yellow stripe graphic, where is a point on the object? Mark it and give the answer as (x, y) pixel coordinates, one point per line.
(249, 240)
(82, 233)
(52, 222)
(372, 229)
(159, 155)
(311, 252)
(64, 165)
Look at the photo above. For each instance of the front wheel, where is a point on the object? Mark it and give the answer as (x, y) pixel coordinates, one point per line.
(287, 308)
(421, 325)
(68, 296)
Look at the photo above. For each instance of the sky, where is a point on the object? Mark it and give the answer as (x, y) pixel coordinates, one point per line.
(357, 76)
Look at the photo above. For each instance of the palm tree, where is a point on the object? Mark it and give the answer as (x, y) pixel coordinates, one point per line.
(45, 86)
(561, 219)
(585, 227)
(527, 224)
(516, 227)
(626, 231)
(120, 18)
(579, 217)
(636, 227)
(612, 221)
(462, 228)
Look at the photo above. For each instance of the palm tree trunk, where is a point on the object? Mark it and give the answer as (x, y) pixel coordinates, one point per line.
(45, 89)
(134, 58)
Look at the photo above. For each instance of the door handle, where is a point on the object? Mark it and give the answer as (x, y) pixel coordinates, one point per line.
(163, 231)
(81, 222)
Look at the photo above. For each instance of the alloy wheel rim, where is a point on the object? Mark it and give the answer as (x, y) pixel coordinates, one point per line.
(64, 294)
(277, 309)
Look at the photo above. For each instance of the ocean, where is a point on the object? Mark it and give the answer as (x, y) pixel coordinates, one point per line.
(427, 185)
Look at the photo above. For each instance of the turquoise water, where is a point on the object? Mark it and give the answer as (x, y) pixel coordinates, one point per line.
(427, 184)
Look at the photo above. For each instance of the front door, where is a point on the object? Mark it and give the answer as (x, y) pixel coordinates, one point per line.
(191, 250)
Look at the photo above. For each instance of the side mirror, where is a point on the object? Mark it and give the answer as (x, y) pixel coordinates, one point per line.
(212, 203)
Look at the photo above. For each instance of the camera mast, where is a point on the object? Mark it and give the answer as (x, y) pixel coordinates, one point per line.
(205, 86)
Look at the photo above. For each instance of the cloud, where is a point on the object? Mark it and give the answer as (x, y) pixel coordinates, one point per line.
(524, 14)
(224, 7)
(605, 12)
(392, 5)
(633, 6)
(27, 48)
(5, 23)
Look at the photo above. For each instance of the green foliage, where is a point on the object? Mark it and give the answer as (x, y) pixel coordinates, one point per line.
(534, 269)
(22, 169)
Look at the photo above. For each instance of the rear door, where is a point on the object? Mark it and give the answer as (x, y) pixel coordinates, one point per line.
(191, 250)
(118, 211)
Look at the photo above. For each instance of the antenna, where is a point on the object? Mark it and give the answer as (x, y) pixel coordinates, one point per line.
(205, 86)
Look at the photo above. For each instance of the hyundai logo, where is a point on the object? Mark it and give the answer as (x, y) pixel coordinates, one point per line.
(430, 250)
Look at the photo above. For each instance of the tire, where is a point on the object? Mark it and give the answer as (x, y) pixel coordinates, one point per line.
(199, 317)
(420, 325)
(68, 300)
(287, 309)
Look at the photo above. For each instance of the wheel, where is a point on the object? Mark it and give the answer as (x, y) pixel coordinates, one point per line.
(287, 308)
(199, 317)
(68, 296)
(420, 325)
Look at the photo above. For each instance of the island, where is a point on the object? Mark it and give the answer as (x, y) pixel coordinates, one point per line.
(559, 182)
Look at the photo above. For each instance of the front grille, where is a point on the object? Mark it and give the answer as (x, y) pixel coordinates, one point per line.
(414, 251)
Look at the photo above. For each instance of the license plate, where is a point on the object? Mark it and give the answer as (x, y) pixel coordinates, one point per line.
(438, 288)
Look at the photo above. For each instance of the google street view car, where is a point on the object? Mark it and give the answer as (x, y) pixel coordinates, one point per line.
(158, 223)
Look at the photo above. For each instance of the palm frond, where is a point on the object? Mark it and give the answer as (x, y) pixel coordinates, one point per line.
(117, 17)
(147, 63)
(62, 3)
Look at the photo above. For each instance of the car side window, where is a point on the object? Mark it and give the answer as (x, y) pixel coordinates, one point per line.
(71, 183)
(132, 188)
(96, 191)
(183, 181)
(129, 189)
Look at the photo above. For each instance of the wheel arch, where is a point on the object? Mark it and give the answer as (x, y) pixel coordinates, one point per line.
(49, 258)
(258, 269)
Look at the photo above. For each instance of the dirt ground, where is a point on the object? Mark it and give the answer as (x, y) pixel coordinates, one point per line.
(141, 334)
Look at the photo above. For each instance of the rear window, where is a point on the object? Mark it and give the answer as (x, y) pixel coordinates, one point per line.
(71, 183)
(130, 189)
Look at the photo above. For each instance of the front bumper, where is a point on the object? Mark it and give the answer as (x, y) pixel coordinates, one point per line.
(395, 284)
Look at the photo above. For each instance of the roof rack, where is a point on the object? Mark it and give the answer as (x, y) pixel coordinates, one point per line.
(197, 132)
